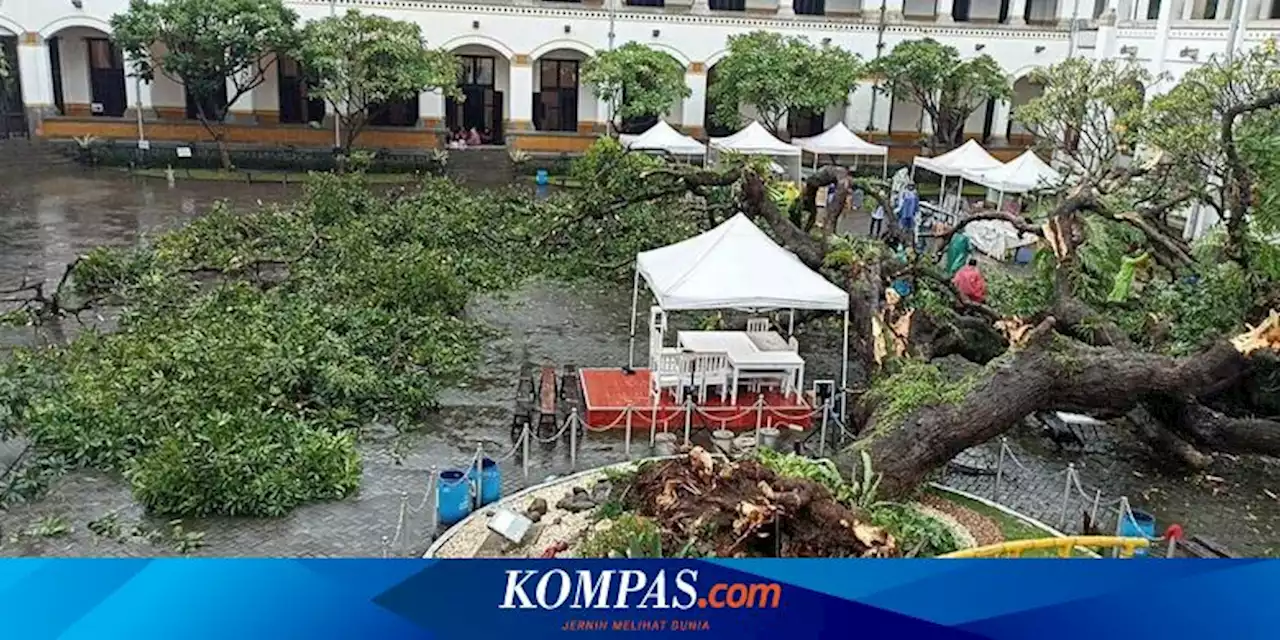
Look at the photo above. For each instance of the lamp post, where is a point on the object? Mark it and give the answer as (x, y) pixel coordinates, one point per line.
(613, 101)
(875, 88)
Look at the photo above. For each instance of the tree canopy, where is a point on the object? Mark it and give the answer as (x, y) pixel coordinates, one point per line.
(947, 87)
(361, 62)
(208, 46)
(641, 82)
(776, 74)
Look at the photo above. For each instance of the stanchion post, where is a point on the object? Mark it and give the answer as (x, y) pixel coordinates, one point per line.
(524, 446)
(688, 419)
(822, 435)
(759, 418)
(573, 439)
(626, 444)
(653, 426)
(995, 491)
(478, 487)
(434, 499)
(1124, 509)
(1066, 494)
(1097, 502)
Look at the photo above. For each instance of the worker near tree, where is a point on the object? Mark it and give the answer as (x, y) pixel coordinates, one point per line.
(957, 252)
(1129, 267)
(970, 283)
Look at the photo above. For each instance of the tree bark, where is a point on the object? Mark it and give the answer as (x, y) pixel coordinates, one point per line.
(1046, 372)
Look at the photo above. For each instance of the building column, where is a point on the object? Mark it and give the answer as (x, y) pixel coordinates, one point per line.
(241, 110)
(1106, 39)
(943, 12)
(521, 87)
(1188, 7)
(694, 108)
(700, 7)
(1220, 12)
(857, 107)
(786, 8)
(1018, 12)
(880, 110)
(1000, 122)
(892, 9)
(137, 96)
(431, 109)
(35, 74)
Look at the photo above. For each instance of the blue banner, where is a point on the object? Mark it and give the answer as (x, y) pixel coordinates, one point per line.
(739, 599)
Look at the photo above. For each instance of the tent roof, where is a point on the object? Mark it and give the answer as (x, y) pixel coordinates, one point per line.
(968, 156)
(840, 141)
(735, 266)
(1024, 173)
(662, 137)
(754, 140)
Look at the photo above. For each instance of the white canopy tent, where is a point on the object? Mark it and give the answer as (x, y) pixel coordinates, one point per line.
(969, 156)
(754, 140)
(664, 137)
(734, 266)
(840, 141)
(1025, 173)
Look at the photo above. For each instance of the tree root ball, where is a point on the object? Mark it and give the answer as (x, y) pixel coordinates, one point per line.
(709, 506)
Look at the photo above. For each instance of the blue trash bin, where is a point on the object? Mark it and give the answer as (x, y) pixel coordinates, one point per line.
(1141, 525)
(541, 179)
(490, 481)
(453, 496)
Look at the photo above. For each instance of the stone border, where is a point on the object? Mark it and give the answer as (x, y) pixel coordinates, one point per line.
(1009, 512)
(580, 475)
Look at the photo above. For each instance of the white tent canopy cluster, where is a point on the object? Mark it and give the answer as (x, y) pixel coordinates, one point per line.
(734, 266)
(1025, 173)
(840, 141)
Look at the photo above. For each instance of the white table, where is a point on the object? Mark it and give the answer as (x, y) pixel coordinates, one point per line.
(744, 355)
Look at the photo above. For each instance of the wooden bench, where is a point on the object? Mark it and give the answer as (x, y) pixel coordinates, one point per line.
(548, 394)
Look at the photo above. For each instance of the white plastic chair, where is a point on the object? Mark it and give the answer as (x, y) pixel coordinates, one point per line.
(709, 370)
(757, 325)
(670, 370)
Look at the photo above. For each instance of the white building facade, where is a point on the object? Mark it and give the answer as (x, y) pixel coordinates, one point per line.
(522, 60)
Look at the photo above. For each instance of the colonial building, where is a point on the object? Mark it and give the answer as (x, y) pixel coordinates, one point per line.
(522, 58)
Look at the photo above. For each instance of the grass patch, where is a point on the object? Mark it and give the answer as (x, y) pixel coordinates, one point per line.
(294, 177)
(1010, 527)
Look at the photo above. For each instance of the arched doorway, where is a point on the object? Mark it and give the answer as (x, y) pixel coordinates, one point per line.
(88, 73)
(713, 127)
(559, 104)
(1024, 90)
(13, 122)
(483, 77)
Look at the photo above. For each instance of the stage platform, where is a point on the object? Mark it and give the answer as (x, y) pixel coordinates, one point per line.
(607, 393)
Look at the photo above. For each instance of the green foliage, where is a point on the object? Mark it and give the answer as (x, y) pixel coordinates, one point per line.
(49, 527)
(360, 62)
(627, 536)
(948, 87)
(1023, 296)
(860, 492)
(912, 385)
(913, 529)
(776, 74)
(846, 251)
(203, 44)
(641, 81)
(1089, 111)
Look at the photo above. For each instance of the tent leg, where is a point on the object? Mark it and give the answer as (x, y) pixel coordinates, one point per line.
(844, 371)
(942, 192)
(999, 200)
(884, 172)
(635, 300)
(791, 324)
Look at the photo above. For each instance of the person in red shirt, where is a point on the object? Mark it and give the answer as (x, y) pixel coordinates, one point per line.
(969, 281)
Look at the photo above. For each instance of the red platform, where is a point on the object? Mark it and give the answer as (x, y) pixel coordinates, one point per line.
(607, 393)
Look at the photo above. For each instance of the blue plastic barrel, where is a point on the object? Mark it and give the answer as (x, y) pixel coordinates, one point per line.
(542, 178)
(453, 496)
(490, 481)
(1141, 525)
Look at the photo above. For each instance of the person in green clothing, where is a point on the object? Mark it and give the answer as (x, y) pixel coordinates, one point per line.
(1129, 266)
(957, 253)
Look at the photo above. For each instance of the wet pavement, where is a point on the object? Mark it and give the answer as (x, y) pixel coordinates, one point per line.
(47, 219)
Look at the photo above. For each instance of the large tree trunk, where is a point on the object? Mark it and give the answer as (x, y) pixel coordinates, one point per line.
(1046, 372)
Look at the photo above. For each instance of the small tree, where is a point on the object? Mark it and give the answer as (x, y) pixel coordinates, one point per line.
(946, 86)
(640, 81)
(361, 62)
(776, 74)
(204, 45)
